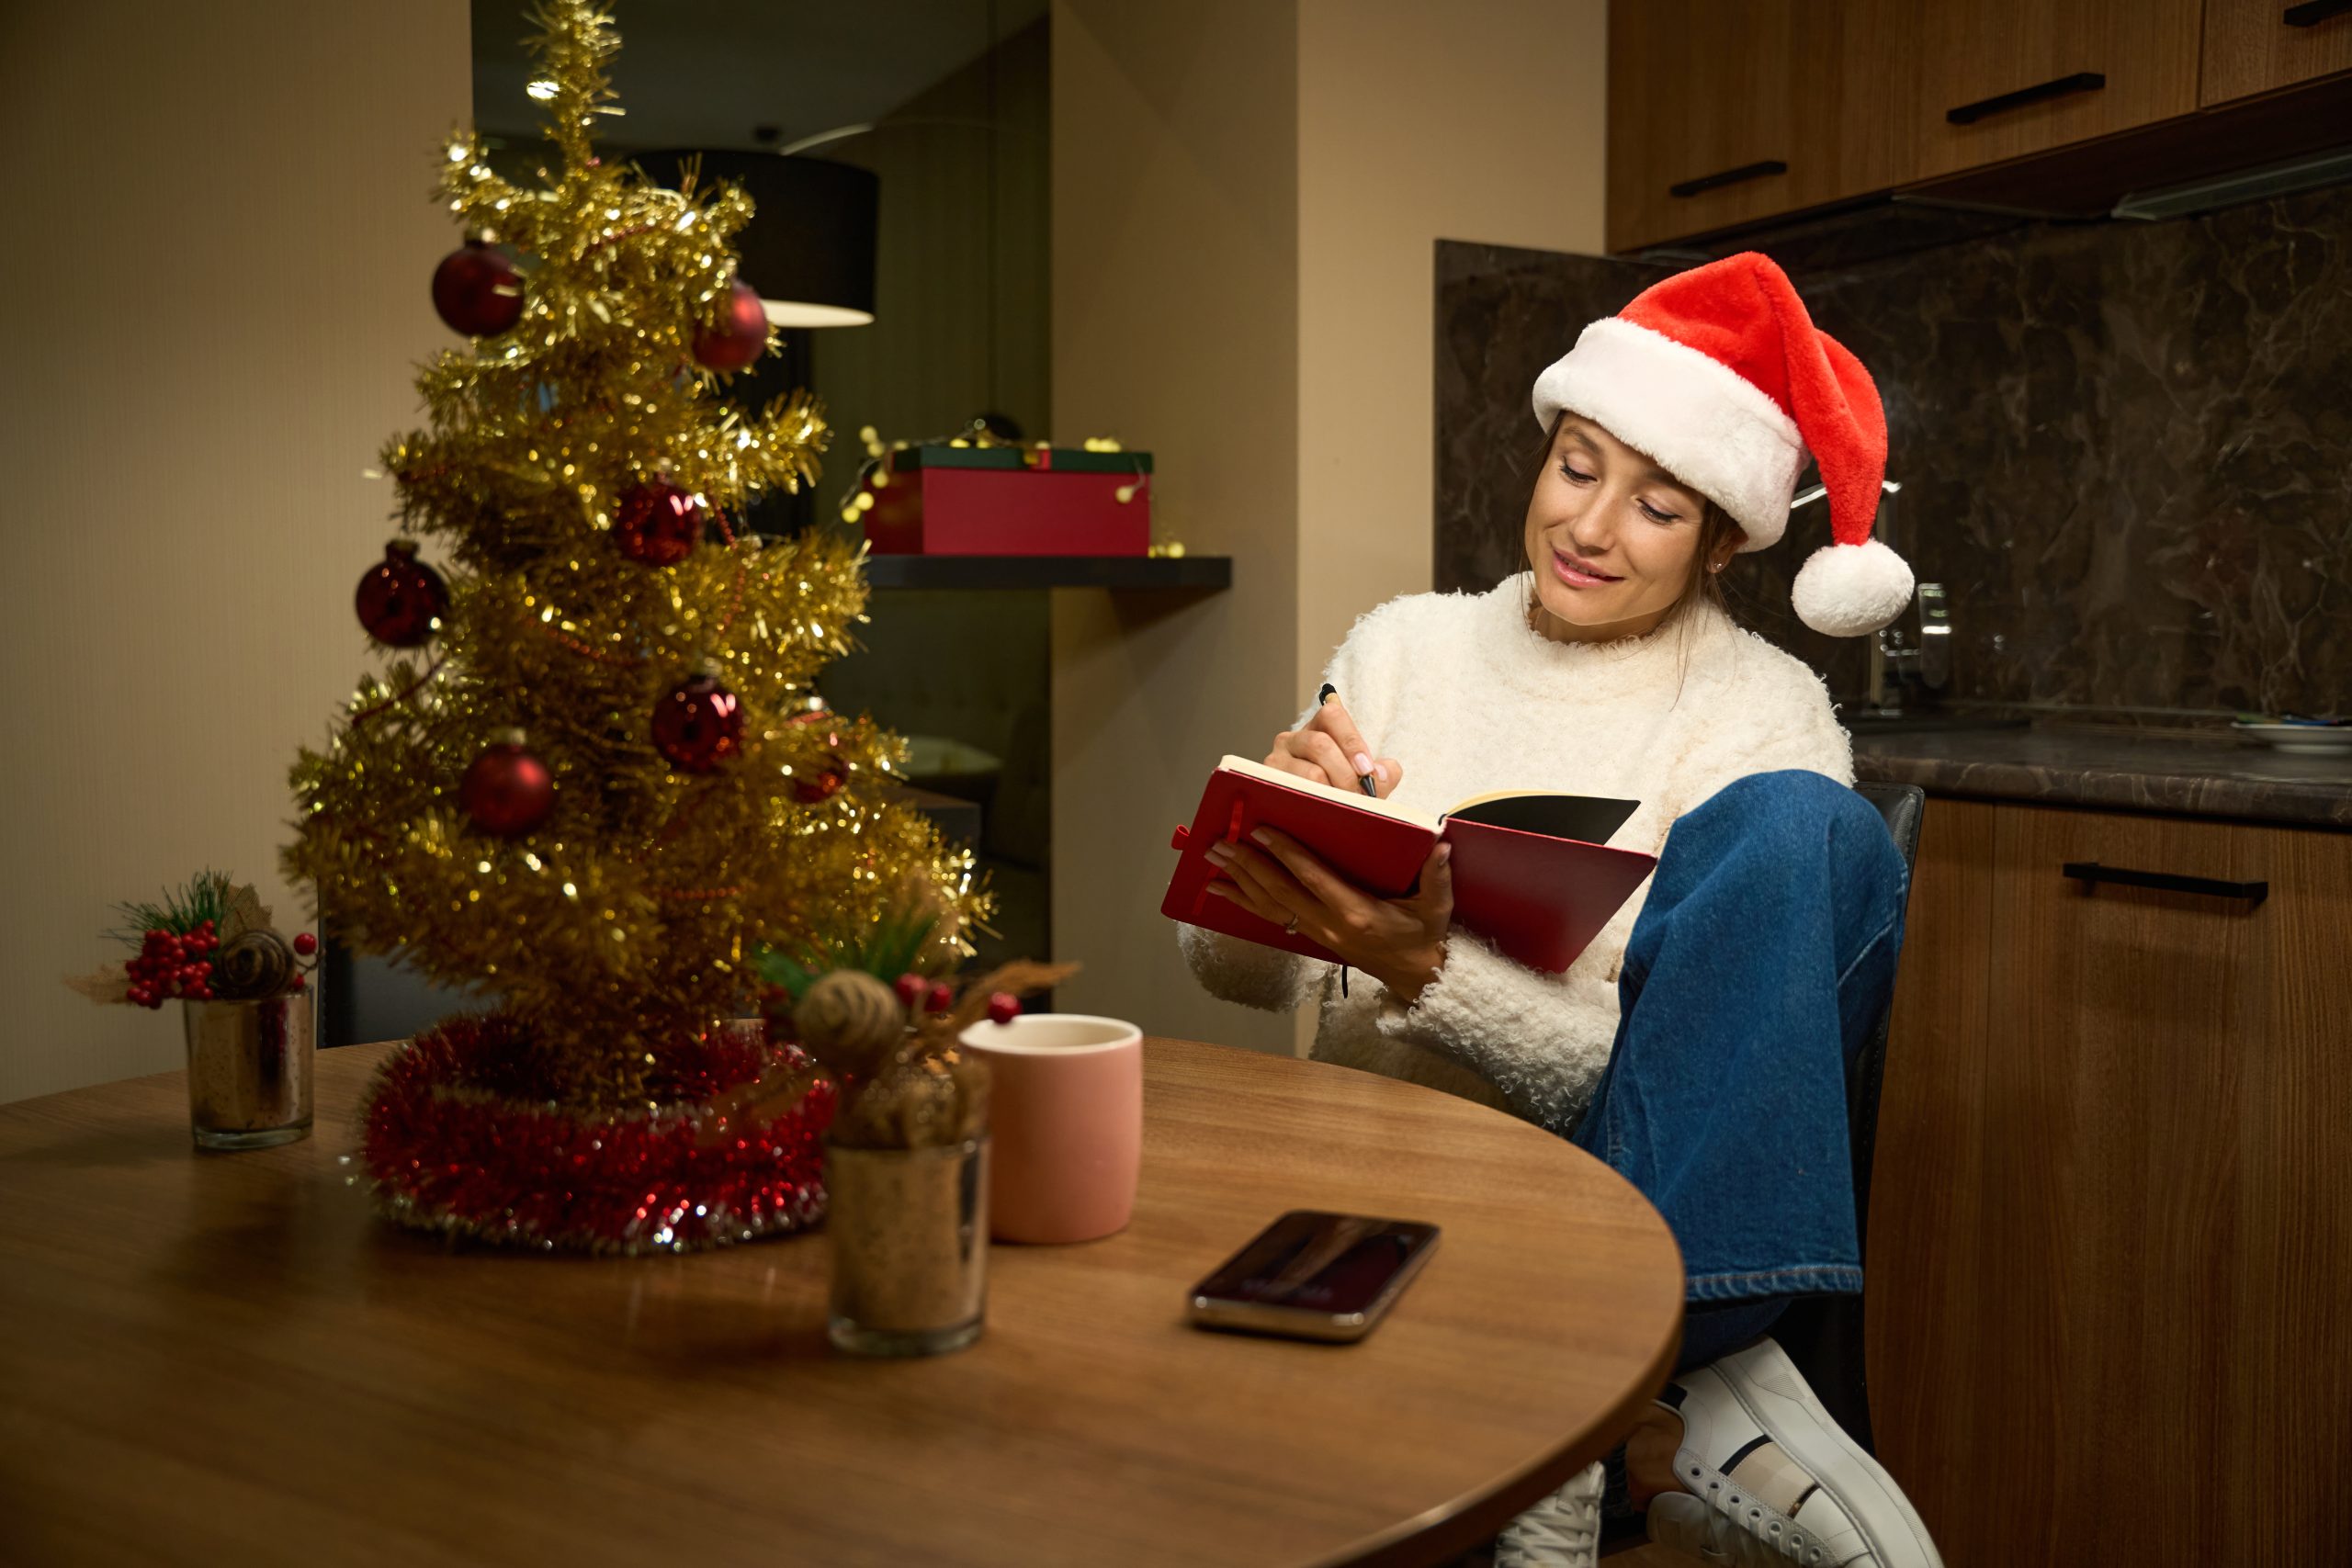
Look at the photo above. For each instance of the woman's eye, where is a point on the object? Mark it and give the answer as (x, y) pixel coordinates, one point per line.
(1655, 515)
(1573, 476)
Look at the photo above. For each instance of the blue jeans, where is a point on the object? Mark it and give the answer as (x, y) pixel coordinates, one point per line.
(1757, 970)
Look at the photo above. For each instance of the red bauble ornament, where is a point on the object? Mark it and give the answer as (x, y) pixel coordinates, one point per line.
(910, 988)
(477, 290)
(698, 724)
(940, 997)
(507, 791)
(658, 523)
(400, 597)
(739, 337)
(808, 788)
(1004, 1007)
(811, 789)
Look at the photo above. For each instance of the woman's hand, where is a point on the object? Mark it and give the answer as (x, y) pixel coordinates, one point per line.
(1328, 749)
(1399, 941)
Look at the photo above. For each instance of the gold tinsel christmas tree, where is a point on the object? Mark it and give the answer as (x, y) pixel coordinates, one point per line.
(598, 779)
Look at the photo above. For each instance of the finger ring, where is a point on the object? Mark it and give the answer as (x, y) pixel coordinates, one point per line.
(1293, 926)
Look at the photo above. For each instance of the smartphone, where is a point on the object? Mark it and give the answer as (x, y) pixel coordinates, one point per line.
(1314, 1276)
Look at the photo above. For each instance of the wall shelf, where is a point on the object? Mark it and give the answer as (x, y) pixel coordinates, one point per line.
(1198, 573)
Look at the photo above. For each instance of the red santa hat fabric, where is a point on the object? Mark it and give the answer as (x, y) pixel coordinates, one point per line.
(1719, 376)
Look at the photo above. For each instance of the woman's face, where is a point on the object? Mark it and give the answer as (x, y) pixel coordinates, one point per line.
(1613, 538)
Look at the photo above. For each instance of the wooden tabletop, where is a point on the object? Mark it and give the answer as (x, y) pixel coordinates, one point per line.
(223, 1358)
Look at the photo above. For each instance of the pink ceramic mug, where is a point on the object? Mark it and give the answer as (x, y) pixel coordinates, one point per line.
(1065, 1124)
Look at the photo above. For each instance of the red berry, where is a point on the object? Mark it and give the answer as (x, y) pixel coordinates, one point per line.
(941, 998)
(911, 987)
(305, 943)
(297, 983)
(1004, 1007)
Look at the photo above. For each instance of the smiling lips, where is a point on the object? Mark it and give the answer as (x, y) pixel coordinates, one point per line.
(1578, 572)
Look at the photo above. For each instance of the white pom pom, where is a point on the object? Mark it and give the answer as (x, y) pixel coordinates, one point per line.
(1852, 590)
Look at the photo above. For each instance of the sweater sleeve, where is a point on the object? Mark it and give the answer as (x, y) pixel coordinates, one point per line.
(1233, 970)
(1543, 1038)
(1237, 970)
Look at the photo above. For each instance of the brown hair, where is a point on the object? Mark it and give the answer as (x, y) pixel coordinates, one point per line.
(1715, 528)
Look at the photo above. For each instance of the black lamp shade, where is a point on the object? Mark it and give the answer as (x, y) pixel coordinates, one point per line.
(809, 246)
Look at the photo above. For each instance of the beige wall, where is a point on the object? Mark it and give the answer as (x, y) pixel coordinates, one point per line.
(1246, 201)
(1473, 119)
(1175, 313)
(216, 284)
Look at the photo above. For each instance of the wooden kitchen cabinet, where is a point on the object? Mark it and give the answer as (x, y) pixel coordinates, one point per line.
(1722, 112)
(2033, 75)
(2111, 1223)
(1724, 115)
(2258, 46)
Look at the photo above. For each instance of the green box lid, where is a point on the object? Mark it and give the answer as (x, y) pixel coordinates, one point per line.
(1059, 459)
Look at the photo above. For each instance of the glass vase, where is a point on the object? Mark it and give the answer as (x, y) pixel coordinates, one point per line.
(250, 1070)
(909, 1232)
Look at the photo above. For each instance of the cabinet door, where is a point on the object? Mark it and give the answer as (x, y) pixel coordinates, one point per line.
(1722, 112)
(2112, 1241)
(1699, 128)
(2255, 46)
(1930, 1238)
(2027, 75)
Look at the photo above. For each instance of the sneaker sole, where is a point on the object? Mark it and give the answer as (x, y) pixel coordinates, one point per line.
(1809, 1435)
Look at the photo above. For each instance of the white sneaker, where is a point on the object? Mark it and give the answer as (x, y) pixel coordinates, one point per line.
(1770, 1478)
(1561, 1531)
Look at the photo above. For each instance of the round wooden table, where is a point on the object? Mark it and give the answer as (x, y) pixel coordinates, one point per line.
(223, 1358)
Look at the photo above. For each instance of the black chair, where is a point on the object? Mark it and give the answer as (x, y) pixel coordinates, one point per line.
(1823, 1335)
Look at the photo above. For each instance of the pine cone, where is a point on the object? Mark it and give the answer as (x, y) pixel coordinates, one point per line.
(256, 964)
(849, 1022)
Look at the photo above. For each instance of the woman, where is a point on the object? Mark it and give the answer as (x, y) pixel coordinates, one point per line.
(1700, 1043)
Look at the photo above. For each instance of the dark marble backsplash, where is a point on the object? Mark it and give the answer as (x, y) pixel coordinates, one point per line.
(2126, 449)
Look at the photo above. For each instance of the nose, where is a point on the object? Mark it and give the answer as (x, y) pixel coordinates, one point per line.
(1590, 534)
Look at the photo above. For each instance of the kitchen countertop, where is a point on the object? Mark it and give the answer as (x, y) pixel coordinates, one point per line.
(2060, 765)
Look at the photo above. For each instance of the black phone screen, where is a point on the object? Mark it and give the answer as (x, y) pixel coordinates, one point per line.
(1320, 1262)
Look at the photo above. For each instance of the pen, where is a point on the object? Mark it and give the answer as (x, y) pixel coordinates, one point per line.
(1325, 695)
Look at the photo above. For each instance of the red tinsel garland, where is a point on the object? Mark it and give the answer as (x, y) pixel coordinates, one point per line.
(460, 1140)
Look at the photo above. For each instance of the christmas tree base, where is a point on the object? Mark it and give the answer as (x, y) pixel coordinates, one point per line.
(461, 1140)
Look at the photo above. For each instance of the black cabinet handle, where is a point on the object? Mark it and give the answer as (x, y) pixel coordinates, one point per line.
(2080, 82)
(1737, 176)
(2091, 873)
(2312, 13)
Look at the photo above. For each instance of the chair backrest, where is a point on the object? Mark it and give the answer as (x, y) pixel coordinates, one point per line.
(1823, 1335)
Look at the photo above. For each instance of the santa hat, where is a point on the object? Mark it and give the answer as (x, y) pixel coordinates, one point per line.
(1719, 376)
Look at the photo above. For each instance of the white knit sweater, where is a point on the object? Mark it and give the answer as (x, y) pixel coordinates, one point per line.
(1463, 692)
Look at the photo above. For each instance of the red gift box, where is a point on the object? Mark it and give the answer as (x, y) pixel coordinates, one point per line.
(1012, 501)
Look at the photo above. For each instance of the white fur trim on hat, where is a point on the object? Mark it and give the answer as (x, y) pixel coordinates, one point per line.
(1851, 589)
(1702, 421)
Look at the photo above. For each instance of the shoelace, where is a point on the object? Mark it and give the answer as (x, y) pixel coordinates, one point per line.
(1562, 1530)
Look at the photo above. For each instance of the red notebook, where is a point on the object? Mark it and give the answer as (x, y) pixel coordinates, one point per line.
(1531, 871)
